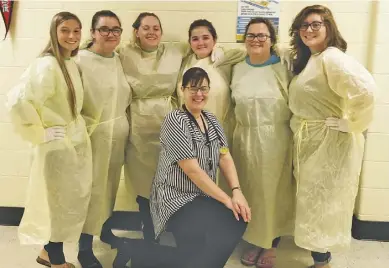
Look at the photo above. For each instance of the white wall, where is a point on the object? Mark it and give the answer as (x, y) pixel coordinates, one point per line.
(374, 189)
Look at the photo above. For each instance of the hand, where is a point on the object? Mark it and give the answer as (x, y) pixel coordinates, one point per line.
(217, 54)
(240, 204)
(229, 204)
(54, 133)
(285, 56)
(342, 125)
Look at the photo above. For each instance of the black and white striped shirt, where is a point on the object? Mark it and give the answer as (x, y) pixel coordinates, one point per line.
(181, 139)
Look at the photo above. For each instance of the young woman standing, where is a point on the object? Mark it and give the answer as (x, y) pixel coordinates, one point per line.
(45, 108)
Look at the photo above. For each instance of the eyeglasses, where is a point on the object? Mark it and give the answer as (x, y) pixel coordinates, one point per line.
(104, 31)
(261, 37)
(194, 90)
(315, 26)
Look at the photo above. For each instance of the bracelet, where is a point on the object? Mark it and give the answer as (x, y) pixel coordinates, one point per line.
(235, 188)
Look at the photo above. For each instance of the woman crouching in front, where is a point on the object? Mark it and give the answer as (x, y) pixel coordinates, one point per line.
(206, 222)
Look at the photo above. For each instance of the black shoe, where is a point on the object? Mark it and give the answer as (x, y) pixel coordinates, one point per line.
(124, 251)
(88, 260)
(113, 240)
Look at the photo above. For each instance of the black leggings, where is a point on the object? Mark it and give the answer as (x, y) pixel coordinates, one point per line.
(206, 233)
(144, 211)
(321, 258)
(276, 241)
(86, 240)
(107, 236)
(55, 250)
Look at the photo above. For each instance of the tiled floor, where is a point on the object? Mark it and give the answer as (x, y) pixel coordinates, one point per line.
(363, 254)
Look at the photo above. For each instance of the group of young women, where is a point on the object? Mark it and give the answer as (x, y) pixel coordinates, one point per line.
(172, 114)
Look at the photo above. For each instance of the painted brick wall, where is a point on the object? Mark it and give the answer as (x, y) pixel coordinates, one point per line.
(30, 34)
(374, 189)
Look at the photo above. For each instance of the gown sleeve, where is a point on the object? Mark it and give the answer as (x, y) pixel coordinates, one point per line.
(27, 98)
(354, 84)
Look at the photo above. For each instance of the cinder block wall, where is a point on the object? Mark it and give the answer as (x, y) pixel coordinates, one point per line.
(356, 21)
(374, 188)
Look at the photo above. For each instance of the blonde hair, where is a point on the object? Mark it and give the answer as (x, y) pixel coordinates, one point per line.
(53, 49)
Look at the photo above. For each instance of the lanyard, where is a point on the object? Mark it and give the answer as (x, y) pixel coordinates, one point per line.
(193, 119)
(208, 142)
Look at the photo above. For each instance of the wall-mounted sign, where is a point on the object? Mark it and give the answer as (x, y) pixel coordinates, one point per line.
(248, 9)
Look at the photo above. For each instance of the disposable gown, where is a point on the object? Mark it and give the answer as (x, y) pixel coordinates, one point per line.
(219, 97)
(61, 172)
(107, 96)
(153, 78)
(262, 149)
(327, 162)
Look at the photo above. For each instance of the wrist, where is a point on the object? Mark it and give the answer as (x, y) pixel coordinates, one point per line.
(236, 188)
(224, 198)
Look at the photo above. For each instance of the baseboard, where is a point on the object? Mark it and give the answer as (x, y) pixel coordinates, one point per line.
(121, 220)
(370, 230)
(11, 216)
(130, 220)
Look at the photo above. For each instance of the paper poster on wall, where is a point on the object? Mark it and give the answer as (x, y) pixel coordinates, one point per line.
(6, 7)
(248, 9)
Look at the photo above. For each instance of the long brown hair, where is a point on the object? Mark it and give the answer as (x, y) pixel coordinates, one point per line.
(300, 52)
(53, 49)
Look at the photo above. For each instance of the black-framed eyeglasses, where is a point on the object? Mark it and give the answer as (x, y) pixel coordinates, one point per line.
(104, 31)
(315, 26)
(194, 90)
(261, 37)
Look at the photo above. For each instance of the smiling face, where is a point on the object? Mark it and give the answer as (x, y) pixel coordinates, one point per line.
(255, 46)
(104, 38)
(202, 42)
(196, 96)
(314, 36)
(149, 33)
(69, 35)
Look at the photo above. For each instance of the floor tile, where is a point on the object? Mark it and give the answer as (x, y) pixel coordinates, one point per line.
(362, 254)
